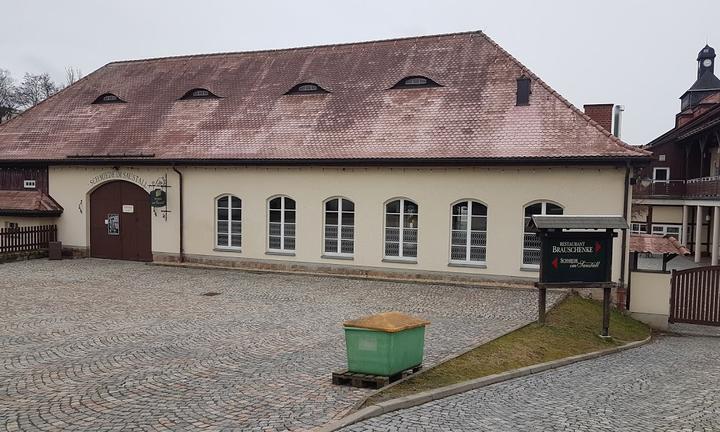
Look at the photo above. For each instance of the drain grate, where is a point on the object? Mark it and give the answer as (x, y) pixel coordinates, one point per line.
(210, 294)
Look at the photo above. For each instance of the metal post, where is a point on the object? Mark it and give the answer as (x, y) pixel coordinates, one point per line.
(606, 312)
(542, 301)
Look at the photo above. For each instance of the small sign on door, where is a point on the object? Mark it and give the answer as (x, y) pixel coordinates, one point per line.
(113, 224)
(128, 208)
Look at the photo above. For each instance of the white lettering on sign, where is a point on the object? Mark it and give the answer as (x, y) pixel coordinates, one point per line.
(128, 208)
(572, 247)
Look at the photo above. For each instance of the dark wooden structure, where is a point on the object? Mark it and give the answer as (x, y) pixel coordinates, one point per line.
(695, 296)
(347, 378)
(27, 239)
(120, 222)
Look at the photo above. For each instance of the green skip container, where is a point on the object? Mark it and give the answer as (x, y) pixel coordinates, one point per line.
(384, 344)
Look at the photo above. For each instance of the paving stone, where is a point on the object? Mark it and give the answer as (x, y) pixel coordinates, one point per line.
(669, 385)
(107, 345)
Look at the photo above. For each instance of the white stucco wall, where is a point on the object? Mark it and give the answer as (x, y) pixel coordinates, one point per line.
(597, 190)
(28, 221)
(650, 298)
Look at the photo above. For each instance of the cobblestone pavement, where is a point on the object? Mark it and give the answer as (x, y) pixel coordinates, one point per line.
(102, 345)
(673, 384)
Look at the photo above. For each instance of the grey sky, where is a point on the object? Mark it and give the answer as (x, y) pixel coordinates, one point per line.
(637, 53)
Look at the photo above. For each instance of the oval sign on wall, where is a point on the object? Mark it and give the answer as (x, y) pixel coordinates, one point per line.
(158, 198)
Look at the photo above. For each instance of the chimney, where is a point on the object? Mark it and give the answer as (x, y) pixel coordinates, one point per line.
(601, 113)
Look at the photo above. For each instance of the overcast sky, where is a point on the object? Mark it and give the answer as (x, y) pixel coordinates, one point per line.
(640, 54)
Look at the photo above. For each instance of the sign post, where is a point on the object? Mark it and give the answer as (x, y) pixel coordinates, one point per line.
(576, 252)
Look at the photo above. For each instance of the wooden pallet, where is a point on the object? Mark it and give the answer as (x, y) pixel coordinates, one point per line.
(347, 378)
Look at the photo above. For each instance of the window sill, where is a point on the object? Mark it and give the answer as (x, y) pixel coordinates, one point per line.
(469, 265)
(280, 253)
(222, 249)
(530, 268)
(399, 261)
(337, 257)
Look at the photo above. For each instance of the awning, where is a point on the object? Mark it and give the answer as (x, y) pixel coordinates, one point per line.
(579, 222)
(655, 244)
(28, 203)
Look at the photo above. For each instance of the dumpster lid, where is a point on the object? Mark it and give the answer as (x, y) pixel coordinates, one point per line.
(390, 322)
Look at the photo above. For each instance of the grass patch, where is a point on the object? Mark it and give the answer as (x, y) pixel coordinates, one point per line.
(572, 328)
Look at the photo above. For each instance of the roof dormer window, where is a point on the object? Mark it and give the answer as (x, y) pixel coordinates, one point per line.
(415, 81)
(306, 87)
(108, 98)
(199, 93)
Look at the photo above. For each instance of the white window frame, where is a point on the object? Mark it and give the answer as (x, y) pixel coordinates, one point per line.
(543, 211)
(283, 248)
(468, 232)
(340, 239)
(637, 228)
(401, 231)
(667, 177)
(229, 221)
(664, 230)
(29, 184)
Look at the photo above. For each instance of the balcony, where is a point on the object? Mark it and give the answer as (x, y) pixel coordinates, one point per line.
(697, 188)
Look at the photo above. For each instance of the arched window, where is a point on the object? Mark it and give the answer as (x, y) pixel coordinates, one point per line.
(339, 227)
(281, 224)
(199, 93)
(415, 81)
(108, 98)
(468, 237)
(401, 229)
(531, 241)
(305, 88)
(228, 222)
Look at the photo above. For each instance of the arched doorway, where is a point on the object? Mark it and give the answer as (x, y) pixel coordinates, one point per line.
(120, 222)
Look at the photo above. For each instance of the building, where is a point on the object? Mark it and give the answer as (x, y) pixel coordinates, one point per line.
(680, 194)
(423, 155)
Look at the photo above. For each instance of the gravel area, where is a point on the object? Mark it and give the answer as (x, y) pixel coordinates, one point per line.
(108, 345)
(669, 385)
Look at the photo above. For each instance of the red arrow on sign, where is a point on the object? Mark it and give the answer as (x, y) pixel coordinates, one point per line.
(555, 263)
(598, 246)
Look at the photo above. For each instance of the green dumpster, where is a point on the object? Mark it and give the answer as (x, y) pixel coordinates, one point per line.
(384, 344)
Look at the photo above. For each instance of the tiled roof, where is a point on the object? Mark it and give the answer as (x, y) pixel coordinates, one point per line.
(14, 202)
(472, 116)
(656, 244)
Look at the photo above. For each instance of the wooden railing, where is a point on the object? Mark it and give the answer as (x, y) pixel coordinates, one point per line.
(703, 187)
(27, 239)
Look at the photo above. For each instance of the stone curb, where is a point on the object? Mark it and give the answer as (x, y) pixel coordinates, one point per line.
(442, 392)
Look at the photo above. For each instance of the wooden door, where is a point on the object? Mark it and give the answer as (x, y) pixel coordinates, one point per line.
(120, 222)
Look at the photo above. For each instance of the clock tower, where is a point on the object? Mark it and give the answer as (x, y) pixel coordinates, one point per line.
(706, 61)
(707, 83)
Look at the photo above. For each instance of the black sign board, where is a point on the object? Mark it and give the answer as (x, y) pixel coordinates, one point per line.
(576, 257)
(158, 198)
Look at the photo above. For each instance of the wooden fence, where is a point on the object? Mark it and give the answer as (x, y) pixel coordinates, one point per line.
(27, 239)
(695, 296)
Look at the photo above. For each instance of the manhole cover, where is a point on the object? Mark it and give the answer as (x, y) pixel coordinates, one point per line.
(211, 293)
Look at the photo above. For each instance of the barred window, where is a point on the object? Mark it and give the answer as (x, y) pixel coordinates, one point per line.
(228, 222)
(401, 229)
(339, 227)
(531, 241)
(468, 237)
(281, 224)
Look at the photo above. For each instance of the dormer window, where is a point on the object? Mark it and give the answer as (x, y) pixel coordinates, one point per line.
(523, 91)
(199, 93)
(108, 98)
(306, 87)
(415, 81)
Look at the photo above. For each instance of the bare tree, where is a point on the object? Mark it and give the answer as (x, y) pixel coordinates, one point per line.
(34, 89)
(8, 100)
(72, 74)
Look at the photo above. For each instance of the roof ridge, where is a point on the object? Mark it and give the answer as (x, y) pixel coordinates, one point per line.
(306, 47)
(553, 92)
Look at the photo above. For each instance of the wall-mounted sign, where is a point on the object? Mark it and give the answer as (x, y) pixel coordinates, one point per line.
(576, 257)
(158, 198)
(113, 224)
(128, 208)
(118, 175)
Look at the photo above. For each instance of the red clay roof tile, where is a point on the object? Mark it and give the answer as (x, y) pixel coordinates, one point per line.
(472, 116)
(30, 202)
